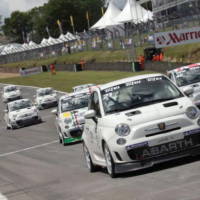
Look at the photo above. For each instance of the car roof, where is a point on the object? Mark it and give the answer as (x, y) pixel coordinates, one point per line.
(18, 101)
(125, 80)
(74, 94)
(88, 84)
(178, 69)
(9, 86)
(43, 89)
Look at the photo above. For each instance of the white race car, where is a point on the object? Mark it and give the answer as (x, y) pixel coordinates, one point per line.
(188, 77)
(70, 116)
(11, 93)
(137, 122)
(21, 113)
(78, 88)
(46, 98)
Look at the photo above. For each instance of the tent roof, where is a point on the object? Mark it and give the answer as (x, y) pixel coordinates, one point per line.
(133, 12)
(108, 18)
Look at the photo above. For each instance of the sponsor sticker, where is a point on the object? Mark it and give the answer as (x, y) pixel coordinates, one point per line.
(67, 114)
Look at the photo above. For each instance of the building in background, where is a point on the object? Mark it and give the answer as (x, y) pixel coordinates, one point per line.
(166, 11)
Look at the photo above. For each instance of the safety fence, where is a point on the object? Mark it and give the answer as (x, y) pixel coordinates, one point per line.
(126, 37)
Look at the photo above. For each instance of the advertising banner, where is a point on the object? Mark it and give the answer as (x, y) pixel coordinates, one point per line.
(177, 37)
(30, 71)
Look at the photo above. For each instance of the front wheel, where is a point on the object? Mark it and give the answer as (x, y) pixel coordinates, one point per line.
(110, 165)
(90, 165)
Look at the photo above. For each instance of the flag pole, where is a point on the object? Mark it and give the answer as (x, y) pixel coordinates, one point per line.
(72, 23)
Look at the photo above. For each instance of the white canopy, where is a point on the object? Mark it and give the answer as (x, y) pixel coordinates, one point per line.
(108, 18)
(133, 12)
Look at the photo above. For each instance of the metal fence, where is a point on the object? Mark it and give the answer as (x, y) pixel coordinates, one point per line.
(137, 35)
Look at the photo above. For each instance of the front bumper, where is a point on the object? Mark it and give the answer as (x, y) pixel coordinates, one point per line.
(26, 121)
(12, 98)
(73, 134)
(137, 165)
(144, 156)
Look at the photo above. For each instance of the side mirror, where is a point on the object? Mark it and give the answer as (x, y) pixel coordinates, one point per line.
(188, 91)
(90, 114)
(54, 111)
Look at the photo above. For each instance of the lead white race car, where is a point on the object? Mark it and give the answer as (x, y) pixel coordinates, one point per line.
(70, 116)
(11, 93)
(46, 98)
(137, 122)
(21, 113)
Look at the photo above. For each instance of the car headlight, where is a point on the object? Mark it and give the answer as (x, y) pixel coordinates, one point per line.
(14, 117)
(192, 112)
(68, 120)
(122, 129)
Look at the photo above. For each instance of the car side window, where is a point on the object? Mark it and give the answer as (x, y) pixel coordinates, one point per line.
(170, 76)
(94, 104)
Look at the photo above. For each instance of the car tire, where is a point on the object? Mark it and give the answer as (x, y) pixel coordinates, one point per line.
(110, 165)
(90, 165)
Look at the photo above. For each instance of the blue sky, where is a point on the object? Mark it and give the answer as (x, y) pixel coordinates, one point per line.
(8, 6)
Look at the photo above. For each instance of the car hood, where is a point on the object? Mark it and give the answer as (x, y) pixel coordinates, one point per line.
(46, 98)
(10, 94)
(23, 112)
(149, 113)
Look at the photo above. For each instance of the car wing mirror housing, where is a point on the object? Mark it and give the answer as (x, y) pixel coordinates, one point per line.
(90, 114)
(188, 91)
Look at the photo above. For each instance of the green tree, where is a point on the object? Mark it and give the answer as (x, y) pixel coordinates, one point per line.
(35, 21)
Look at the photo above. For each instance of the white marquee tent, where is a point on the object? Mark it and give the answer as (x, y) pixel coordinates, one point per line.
(108, 18)
(133, 12)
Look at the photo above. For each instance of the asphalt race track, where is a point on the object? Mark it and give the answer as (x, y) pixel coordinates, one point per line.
(34, 166)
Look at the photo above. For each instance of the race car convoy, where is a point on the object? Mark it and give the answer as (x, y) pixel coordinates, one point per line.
(125, 125)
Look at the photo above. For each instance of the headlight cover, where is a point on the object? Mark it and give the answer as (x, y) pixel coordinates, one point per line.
(192, 112)
(122, 130)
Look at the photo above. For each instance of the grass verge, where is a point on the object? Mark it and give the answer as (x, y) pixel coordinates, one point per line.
(64, 81)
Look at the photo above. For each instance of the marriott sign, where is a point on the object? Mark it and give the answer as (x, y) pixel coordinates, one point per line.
(177, 37)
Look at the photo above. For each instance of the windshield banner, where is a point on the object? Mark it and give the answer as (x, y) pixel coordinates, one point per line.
(177, 37)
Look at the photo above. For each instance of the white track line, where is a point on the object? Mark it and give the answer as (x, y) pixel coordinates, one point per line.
(26, 149)
(2, 197)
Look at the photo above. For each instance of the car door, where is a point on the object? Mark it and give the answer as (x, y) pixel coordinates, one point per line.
(93, 125)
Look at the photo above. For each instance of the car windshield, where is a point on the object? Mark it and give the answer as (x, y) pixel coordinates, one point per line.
(20, 105)
(45, 92)
(138, 93)
(74, 102)
(11, 89)
(188, 76)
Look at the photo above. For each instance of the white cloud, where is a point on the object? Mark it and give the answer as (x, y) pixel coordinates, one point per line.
(8, 6)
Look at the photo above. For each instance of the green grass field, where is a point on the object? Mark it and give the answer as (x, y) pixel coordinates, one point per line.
(64, 81)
